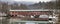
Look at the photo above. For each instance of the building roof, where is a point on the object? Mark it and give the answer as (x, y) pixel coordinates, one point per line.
(33, 10)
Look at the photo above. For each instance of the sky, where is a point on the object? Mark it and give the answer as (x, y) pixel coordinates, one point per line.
(29, 0)
(33, 0)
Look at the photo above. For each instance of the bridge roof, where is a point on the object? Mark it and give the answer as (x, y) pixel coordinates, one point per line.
(33, 10)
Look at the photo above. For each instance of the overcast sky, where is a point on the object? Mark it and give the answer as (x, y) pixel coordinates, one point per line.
(33, 0)
(29, 0)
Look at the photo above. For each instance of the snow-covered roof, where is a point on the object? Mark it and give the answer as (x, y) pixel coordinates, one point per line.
(33, 10)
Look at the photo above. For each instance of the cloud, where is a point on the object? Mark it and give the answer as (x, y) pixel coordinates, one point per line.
(33, 0)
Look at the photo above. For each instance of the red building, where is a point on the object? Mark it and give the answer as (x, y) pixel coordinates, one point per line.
(31, 14)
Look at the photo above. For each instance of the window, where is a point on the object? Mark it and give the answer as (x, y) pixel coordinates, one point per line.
(50, 19)
(36, 16)
(15, 15)
(43, 16)
(32, 16)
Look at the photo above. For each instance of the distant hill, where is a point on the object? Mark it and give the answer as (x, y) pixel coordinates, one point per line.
(43, 5)
(12, 2)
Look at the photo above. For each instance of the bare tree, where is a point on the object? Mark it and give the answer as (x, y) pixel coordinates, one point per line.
(4, 7)
(23, 6)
